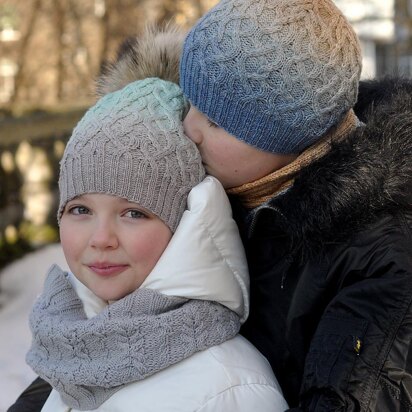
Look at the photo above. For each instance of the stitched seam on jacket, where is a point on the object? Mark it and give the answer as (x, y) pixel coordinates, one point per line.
(243, 385)
(404, 225)
(391, 336)
(391, 389)
(387, 346)
(245, 292)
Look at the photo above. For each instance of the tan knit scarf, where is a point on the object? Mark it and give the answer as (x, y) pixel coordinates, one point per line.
(260, 191)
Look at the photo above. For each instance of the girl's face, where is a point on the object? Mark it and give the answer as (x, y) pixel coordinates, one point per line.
(110, 244)
(230, 160)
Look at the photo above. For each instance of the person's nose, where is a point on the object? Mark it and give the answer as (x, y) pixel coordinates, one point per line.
(104, 236)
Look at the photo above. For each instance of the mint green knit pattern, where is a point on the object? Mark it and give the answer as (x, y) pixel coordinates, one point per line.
(131, 144)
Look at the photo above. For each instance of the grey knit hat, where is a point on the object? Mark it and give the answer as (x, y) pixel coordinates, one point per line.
(131, 144)
(276, 74)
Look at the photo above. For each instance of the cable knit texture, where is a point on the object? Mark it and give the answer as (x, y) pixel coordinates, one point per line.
(277, 74)
(131, 144)
(87, 360)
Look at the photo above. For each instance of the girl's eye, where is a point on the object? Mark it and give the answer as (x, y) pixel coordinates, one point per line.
(79, 210)
(211, 123)
(135, 214)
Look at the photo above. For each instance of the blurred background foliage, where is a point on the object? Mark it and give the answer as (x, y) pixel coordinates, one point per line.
(51, 51)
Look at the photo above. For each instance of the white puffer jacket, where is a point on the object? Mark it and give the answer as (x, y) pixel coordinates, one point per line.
(204, 260)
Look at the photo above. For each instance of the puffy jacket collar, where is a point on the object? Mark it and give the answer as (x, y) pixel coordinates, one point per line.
(362, 178)
(205, 258)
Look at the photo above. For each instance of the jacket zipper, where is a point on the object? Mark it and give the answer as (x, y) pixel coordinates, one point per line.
(251, 229)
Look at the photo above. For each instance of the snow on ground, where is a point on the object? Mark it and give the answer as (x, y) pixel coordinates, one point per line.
(20, 283)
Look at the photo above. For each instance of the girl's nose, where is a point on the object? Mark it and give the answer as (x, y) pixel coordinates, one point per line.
(104, 236)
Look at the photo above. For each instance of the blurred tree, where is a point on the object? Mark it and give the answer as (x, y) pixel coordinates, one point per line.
(22, 48)
(50, 53)
(61, 45)
(403, 35)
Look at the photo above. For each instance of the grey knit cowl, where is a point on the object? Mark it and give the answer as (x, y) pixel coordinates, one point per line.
(88, 360)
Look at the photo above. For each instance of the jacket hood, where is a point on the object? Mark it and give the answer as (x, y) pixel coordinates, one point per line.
(205, 258)
(156, 53)
(361, 179)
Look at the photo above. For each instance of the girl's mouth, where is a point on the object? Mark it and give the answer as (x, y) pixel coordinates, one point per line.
(107, 269)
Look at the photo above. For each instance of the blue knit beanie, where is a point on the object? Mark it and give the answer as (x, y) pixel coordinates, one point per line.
(276, 74)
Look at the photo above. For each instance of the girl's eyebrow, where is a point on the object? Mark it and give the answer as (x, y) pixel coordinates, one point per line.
(75, 199)
(134, 205)
(123, 200)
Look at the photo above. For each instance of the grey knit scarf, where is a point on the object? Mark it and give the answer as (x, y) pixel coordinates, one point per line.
(88, 360)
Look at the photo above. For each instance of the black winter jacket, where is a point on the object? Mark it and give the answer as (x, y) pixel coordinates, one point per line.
(331, 267)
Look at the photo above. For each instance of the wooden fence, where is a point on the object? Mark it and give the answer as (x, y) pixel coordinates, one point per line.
(30, 150)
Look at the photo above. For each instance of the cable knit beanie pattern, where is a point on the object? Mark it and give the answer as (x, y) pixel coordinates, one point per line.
(131, 144)
(276, 74)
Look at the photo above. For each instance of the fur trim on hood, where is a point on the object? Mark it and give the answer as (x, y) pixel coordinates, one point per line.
(154, 54)
(360, 180)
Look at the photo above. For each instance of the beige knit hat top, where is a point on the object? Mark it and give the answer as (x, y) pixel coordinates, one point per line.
(131, 144)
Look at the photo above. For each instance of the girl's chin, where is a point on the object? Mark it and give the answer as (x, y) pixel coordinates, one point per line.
(109, 293)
